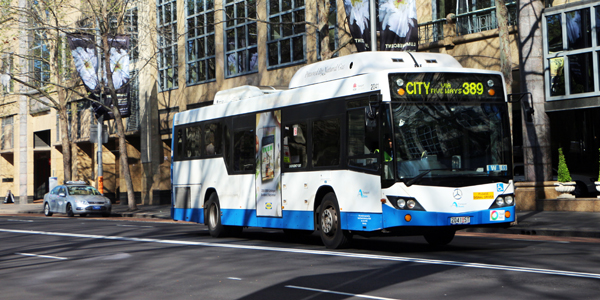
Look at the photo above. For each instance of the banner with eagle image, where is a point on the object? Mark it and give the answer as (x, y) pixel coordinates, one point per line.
(397, 24)
(86, 61)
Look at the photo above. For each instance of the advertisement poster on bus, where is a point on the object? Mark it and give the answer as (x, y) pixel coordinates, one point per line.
(268, 169)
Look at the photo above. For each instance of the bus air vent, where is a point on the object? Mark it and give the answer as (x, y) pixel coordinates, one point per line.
(431, 61)
(397, 60)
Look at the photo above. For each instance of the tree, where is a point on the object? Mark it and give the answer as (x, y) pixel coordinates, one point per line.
(50, 77)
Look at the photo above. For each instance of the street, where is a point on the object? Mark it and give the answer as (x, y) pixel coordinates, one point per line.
(112, 258)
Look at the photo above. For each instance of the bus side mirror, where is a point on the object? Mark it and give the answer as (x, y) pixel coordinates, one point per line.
(370, 117)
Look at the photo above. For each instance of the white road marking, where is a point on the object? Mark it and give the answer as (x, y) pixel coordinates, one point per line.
(320, 252)
(13, 220)
(119, 225)
(42, 256)
(233, 278)
(339, 293)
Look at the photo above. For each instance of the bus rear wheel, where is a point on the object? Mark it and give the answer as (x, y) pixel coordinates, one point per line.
(440, 238)
(213, 217)
(330, 226)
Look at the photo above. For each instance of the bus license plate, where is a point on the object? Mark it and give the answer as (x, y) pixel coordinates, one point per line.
(460, 220)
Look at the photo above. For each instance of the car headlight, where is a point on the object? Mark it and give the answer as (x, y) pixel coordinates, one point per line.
(82, 202)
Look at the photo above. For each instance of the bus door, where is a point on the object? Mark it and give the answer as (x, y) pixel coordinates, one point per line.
(268, 169)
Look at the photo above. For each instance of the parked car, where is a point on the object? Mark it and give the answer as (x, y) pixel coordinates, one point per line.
(76, 197)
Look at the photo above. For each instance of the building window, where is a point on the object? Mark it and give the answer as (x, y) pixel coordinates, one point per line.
(7, 139)
(327, 36)
(477, 16)
(39, 63)
(285, 43)
(571, 52)
(6, 67)
(131, 29)
(200, 57)
(241, 52)
(167, 44)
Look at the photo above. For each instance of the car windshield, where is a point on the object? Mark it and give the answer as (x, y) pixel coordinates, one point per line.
(83, 190)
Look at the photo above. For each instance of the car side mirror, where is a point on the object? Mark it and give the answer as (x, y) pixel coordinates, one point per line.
(62, 195)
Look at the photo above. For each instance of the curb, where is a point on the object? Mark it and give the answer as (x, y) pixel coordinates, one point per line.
(538, 231)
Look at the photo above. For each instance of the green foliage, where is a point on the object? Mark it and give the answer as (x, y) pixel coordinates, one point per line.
(563, 171)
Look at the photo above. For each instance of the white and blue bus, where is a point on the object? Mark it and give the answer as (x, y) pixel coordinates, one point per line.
(370, 144)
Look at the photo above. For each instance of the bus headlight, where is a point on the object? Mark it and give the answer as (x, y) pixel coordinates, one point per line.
(509, 200)
(405, 203)
(500, 201)
(401, 203)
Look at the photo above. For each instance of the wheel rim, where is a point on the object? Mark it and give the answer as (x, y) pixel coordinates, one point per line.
(46, 209)
(328, 221)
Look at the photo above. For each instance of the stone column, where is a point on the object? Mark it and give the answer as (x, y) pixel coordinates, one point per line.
(536, 128)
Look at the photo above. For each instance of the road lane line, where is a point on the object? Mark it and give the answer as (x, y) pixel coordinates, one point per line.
(15, 220)
(339, 293)
(320, 252)
(42, 256)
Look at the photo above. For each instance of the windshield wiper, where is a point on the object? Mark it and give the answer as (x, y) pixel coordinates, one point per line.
(417, 178)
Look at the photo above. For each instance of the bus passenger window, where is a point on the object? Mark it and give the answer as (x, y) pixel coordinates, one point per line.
(212, 139)
(192, 141)
(326, 143)
(179, 145)
(294, 146)
(244, 144)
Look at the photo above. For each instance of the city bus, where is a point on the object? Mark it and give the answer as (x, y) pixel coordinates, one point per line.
(368, 144)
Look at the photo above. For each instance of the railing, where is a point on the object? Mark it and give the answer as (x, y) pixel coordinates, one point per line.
(483, 19)
(466, 23)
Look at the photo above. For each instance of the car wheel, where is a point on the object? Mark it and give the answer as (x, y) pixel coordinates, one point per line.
(330, 225)
(440, 238)
(70, 211)
(47, 211)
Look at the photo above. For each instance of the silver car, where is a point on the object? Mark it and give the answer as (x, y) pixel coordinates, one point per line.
(76, 197)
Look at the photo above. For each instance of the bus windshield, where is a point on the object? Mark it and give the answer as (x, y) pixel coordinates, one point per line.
(448, 139)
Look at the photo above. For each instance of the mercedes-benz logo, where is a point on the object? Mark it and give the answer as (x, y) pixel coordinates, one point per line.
(457, 194)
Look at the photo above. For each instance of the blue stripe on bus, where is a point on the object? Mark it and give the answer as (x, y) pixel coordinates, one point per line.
(394, 217)
(390, 217)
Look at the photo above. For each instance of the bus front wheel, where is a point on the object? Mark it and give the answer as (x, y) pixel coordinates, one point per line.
(330, 227)
(215, 228)
(440, 238)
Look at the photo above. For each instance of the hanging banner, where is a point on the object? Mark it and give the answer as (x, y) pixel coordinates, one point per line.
(86, 62)
(357, 12)
(398, 22)
(268, 168)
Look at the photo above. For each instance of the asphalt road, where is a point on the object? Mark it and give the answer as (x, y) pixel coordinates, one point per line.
(94, 258)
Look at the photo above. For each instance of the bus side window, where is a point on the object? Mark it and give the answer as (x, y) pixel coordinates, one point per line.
(212, 139)
(362, 141)
(326, 142)
(226, 146)
(179, 145)
(244, 144)
(192, 141)
(295, 154)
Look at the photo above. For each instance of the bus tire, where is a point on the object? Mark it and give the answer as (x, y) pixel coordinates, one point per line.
(440, 238)
(213, 217)
(330, 226)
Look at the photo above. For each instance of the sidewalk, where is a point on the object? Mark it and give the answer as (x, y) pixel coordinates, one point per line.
(549, 223)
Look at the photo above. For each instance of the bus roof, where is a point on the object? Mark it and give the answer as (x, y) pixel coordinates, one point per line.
(368, 62)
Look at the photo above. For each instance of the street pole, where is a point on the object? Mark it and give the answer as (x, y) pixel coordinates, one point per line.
(373, 25)
(100, 137)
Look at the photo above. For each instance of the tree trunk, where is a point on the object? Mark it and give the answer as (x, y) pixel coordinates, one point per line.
(505, 55)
